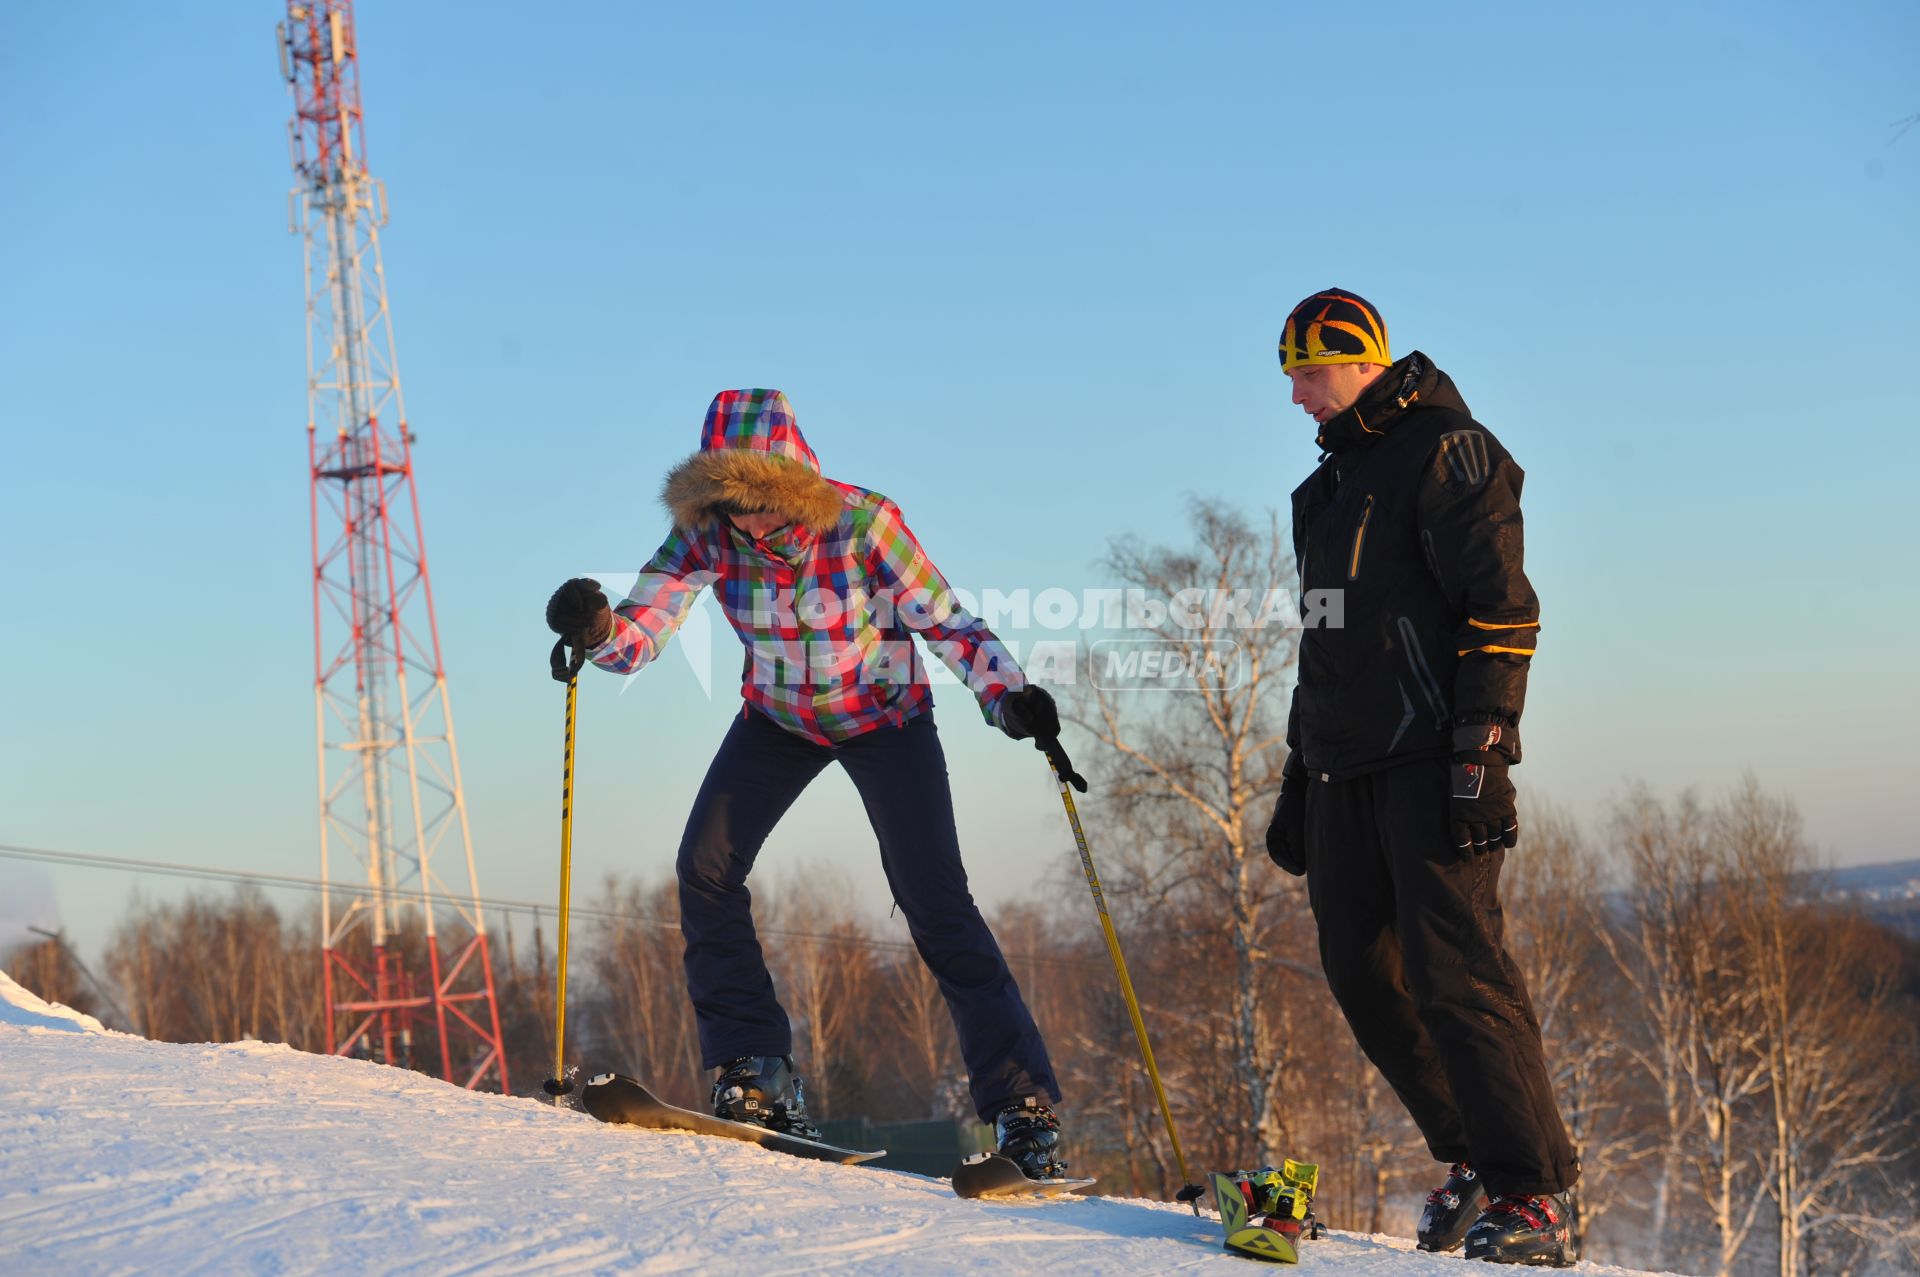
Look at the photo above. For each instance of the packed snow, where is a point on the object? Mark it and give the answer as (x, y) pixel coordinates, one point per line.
(120, 1155)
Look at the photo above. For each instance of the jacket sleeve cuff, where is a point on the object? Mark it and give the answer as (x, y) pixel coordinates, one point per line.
(615, 652)
(1486, 738)
(613, 634)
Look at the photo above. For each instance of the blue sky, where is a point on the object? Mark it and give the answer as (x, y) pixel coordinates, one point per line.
(1021, 268)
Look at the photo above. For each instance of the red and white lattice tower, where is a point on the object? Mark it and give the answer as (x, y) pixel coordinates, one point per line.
(390, 795)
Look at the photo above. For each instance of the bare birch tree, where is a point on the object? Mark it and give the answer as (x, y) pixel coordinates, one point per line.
(1702, 1053)
(205, 969)
(915, 1019)
(1556, 907)
(635, 1002)
(822, 959)
(1837, 1111)
(47, 970)
(1193, 771)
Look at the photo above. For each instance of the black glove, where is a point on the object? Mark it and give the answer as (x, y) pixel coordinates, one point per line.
(1482, 796)
(1287, 835)
(578, 612)
(1029, 712)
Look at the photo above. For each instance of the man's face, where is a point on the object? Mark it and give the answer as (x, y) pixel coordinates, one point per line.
(1327, 390)
(758, 525)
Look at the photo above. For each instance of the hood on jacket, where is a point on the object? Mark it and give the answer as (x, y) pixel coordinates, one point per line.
(1406, 382)
(752, 458)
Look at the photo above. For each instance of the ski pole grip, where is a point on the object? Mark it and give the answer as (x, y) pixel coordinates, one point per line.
(565, 669)
(1057, 755)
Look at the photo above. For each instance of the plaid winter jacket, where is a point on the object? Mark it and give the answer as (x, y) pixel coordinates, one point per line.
(827, 605)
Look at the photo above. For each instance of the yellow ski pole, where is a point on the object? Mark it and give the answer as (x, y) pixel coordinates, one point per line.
(1062, 769)
(560, 1084)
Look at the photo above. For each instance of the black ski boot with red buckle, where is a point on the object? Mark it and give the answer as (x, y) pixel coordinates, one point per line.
(1520, 1228)
(1451, 1209)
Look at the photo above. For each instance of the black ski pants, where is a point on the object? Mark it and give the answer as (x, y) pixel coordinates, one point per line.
(1411, 939)
(901, 774)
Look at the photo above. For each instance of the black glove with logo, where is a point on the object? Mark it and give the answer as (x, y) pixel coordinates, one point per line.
(1287, 835)
(1483, 798)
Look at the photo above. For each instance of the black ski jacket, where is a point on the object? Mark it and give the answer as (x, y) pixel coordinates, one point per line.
(1412, 523)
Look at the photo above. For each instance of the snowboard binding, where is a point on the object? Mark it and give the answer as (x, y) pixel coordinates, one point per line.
(765, 1091)
(1028, 1134)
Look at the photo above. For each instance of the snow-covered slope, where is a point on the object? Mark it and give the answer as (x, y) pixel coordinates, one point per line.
(119, 1155)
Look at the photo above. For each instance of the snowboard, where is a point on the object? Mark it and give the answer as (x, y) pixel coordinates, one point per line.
(989, 1175)
(1255, 1241)
(618, 1099)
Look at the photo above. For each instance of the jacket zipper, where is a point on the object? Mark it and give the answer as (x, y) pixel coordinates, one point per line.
(1360, 539)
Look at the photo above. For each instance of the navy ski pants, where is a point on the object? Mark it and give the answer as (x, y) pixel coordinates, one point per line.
(901, 774)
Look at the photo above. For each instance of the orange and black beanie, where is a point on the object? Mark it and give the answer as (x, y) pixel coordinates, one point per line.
(1334, 326)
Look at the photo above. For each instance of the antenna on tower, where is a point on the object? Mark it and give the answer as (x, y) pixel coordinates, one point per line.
(400, 951)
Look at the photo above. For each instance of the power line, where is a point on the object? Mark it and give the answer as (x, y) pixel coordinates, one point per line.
(60, 938)
(292, 882)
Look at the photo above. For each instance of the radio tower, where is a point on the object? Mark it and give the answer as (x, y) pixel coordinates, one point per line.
(390, 793)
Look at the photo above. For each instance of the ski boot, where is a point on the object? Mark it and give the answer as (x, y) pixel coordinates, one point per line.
(1451, 1209)
(1284, 1197)
(1281, 1199)
(1520, 1228)
(1027, 1132)
(763, 1090)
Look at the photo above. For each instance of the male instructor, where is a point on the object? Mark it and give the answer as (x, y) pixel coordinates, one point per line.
(1395, 801)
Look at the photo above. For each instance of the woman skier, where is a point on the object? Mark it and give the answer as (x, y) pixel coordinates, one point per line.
(826, 587)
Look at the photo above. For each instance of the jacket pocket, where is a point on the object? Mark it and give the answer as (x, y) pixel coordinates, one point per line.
(1359, 540)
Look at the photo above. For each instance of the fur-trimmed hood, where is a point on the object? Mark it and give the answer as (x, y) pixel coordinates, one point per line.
(752, 457)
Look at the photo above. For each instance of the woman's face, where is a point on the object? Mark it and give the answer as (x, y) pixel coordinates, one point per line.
(757, 525)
